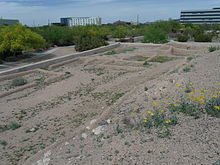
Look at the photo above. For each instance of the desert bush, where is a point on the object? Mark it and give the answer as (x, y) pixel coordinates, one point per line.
(56, 35)
(120, 32)
(83, 43)
(18, 82)
(212, 107)
(161, 59)
(182, 38)
(213, 48)
(155, 34)
(17, 38)
(202, 38)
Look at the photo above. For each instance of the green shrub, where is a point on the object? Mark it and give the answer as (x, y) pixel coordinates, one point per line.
(120, 32)
(187, 108)
(3, 143)
(211, 107)
(146, 63)
(18, 81)
(213, 48)
(84, 43)
(11, 126)
(186, 69)
(111, 52)
(182, 38)
(202, 38)
(155, 35)
(161, 59)
(17, 38)
(56, 35)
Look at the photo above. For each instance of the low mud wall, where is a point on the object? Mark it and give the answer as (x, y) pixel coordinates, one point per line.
(46, 63)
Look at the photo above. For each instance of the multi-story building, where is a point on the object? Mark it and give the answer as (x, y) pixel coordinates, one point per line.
(207, 16)
(8, 21)
(83, 21)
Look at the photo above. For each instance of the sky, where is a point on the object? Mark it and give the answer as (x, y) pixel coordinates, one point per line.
(39, 12)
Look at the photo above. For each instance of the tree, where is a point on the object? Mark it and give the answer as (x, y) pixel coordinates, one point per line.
(155, 34)
(17, 38)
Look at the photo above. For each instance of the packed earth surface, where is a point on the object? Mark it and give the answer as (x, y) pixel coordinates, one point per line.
(122, 107)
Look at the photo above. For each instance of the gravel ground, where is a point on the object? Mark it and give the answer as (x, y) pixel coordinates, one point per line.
(86, 118)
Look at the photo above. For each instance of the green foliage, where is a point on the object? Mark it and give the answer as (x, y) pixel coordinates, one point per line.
(3, 143)
(211, 109)
(18, 82)
(146, 63)
(111, 52)
(138, 58)
(161, 59)
(187, 108)
(120, 32)
(213, 48)
(202, 38)
(17, 38)
(120, 51)
(189, 58)
(10, 126)
(182, 38)
(155, 34)
(83, 43)
(186, 69)
(56, 35)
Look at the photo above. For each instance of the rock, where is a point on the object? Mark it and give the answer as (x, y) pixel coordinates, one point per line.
(98, 130)
(93, 121)
(84, 135)
(67, 143)
(108, 121)
(45, 160)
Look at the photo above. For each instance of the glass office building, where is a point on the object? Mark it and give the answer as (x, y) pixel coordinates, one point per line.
(207, 16)
(83, 21)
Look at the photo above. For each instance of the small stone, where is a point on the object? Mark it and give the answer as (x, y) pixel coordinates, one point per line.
(88, 127)
(32, 129)
(98, 130)
(108, 121)
(84, 135)
(93, 121)
(67, 143)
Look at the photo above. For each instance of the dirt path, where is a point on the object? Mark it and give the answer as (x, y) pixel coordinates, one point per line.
(107, 85)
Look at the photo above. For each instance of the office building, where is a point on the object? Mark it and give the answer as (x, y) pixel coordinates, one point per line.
(8, 22)
(80, 21)
(207, 16)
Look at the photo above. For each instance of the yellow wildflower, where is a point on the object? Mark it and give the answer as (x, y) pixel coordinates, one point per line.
(145, 118)
(195, 90)
(133, 113)
(178, 85)
(164, 126)
(217, 107)
(155, 103)
(204, 90)
(190, 83)
(152, 114)
(174, 105)
(202, 102)
(218, 93)
(149, 112)
(214, 96)
(162, 110)
(168, 121)
(218, 83)
(192, 93)
(117, 118)
(202, 93)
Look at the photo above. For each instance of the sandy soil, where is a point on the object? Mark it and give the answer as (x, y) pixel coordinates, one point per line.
(58, 118)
